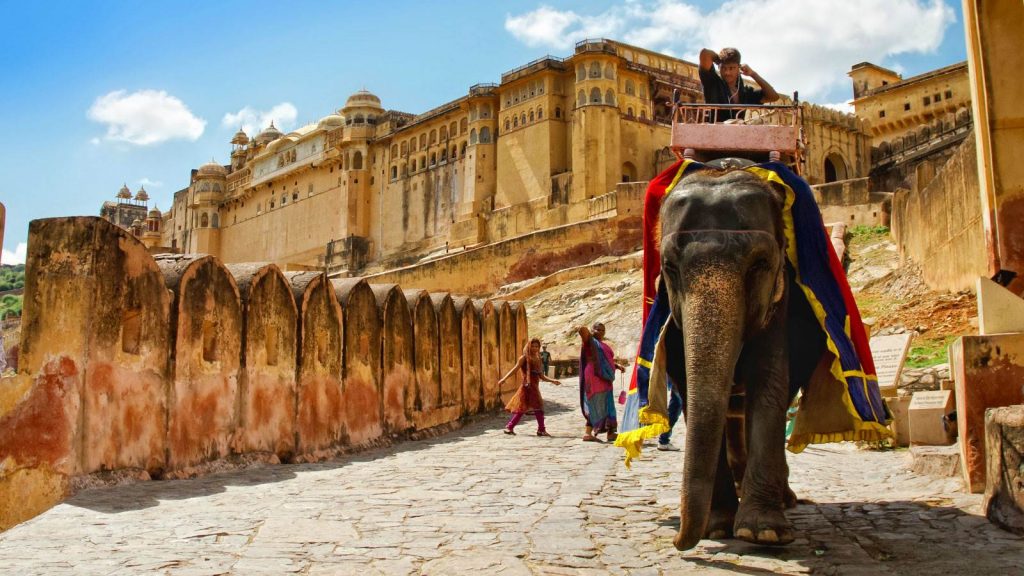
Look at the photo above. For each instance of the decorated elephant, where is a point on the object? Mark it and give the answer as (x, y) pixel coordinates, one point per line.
(739, 327)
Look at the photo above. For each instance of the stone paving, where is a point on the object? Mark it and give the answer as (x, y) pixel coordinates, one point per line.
(478, 501)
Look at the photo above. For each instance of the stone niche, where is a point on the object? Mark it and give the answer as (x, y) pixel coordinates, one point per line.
(450, 344)
(362, 381)
(490, 363)
(267, 380)
(320, 419)
(426, 365)
(987, 372)
(507, 353)
(399, 382)
(206, 323)
(469, 323)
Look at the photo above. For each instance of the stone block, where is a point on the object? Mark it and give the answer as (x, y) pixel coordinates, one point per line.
(999, 310)
(925, 416)
(988, 371)
(900, 408)
(889, 354)
(1004, 484)
(941, 461)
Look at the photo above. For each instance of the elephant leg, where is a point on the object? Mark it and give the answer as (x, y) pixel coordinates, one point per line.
(760, 517)
(736, 437)
(724, 499)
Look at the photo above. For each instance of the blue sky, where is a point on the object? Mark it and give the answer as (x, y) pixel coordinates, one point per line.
(96, 94)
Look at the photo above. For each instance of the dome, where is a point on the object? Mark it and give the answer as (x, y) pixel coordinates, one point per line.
(155, 213)
(240, 138)
(142, 195)
(125, 193)
(331, 121)
(363, 98)
(137, 223)
(211, 168)
(268, 135)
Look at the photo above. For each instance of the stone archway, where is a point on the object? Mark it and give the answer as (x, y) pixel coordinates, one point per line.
(835, 168)
(628, 172)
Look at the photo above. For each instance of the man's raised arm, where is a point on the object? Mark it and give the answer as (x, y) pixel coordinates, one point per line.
(768, 94)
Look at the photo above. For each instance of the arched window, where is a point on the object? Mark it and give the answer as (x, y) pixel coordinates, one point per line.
(394, 172)
(609, 97)
(453, 129)
(522, 119)
(643, 114)
(540, 113)
(609, 71)
(628, 172)
(455, 152)
(433, 137)
(405, 170)
(360, 119)
(204, 220)
(581, 98)
(630, 88)
(595, 95)
(581, 73)
(433, 159)
(629, 112)
(463, 126)
(357, 160)
(472, 136)
(405, 148)
(412, 144)
(485, 135)
(508, 124)
(558, 112)
(443, 134)
(531, 116)
(216, 220)
(462, 151)
(394, 150)
(595, 70)
(444, 154)
(423, 140)
(284, 199)
(515, 121)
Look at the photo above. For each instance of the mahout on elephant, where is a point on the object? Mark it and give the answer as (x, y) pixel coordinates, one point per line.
(740, 328)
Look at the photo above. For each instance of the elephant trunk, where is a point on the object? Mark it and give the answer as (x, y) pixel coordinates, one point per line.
(713, 328)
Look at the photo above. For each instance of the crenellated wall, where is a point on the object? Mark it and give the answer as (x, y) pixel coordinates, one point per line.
(169, 367)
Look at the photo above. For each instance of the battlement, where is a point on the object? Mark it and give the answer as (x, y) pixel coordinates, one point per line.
(165, 367)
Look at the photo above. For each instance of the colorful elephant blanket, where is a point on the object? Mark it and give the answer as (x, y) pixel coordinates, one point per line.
(842, 404)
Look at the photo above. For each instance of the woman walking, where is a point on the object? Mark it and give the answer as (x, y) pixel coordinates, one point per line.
(597, 375)
(527, 398)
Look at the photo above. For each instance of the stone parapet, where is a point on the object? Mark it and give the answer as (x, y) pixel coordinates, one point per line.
(140, 368)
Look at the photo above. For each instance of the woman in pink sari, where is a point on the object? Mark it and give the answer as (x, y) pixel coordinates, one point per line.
(597, 375)
(527, 399)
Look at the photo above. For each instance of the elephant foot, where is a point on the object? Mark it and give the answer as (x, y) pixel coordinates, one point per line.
(720, 524)
(763, 525)
(789, 499)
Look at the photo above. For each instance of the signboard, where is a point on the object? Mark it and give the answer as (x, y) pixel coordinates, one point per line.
(889, 353)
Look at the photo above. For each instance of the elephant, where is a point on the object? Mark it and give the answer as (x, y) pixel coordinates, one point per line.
(741, 340)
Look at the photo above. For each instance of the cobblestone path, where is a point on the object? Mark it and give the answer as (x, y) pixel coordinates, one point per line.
(476, 501)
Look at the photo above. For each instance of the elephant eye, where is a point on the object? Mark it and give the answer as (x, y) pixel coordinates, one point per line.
(760, 265)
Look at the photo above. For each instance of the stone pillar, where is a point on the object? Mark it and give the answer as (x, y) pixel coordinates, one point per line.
(426, 360)
(994, 29)
(507, 352)
(1004, 484)
(362, 383)
(450, 345)
(469, 323)
(490, 363)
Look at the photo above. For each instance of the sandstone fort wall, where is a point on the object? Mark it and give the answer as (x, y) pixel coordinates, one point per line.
(140, 367)
(939, 225)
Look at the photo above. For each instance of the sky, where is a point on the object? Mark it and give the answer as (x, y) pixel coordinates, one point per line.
(97, 94)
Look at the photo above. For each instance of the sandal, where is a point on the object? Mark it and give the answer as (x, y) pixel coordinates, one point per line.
(510, 432)
(590, 438)
(543, 433)
(612, 436)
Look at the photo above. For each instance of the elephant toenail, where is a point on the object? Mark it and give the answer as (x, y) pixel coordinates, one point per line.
(768, 535)
(744, 533)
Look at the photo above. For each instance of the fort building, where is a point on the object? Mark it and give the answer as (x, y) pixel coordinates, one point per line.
(369, 188)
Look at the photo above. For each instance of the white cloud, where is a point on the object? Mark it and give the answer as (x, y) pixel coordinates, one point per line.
(145, 117)
(151, 183)
(846, 107)
(16, 257)
(805, 45)
(252, 121)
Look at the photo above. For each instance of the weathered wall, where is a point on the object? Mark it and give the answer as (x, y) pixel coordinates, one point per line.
(485, 269)
(170, 367)
(399, 384)
(362, 363)
(266, 385)
(940, 226)
(507, 352)
(206, 324)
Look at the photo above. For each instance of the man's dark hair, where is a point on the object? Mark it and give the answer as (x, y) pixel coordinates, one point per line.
(729, 56)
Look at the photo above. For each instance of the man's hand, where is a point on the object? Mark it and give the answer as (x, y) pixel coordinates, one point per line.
(746, 71)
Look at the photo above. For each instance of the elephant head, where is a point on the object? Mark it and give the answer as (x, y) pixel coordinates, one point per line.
(722, 261)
